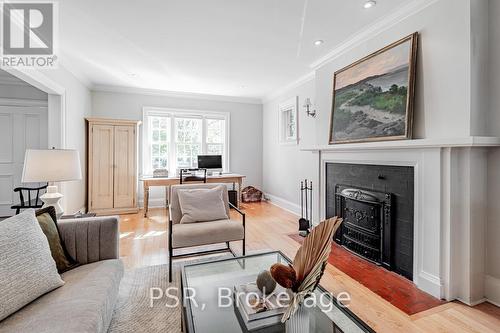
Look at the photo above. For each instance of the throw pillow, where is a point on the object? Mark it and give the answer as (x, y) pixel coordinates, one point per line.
(27, 270)
(201, 205)
(48, 222)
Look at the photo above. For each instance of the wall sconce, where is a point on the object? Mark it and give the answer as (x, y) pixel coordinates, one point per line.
(307, 105)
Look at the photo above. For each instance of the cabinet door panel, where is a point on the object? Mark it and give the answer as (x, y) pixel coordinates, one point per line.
(124, 185)
(102, 160)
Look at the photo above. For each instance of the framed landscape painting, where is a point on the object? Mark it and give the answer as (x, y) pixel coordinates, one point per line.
(373, 98)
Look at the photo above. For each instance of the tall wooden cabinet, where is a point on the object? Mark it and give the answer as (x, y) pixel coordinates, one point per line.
(112, 166)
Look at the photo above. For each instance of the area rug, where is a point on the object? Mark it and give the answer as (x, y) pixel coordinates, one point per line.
(133, 312)
(392, 287)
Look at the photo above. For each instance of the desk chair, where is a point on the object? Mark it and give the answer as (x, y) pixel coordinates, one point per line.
(187, 176)
(191, 176)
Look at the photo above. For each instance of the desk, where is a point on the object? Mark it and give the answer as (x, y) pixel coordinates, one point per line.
(224, 178)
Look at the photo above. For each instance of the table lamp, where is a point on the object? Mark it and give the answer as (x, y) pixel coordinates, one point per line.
(51, 165)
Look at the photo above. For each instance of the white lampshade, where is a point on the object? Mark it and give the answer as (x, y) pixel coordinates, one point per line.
(51, 165)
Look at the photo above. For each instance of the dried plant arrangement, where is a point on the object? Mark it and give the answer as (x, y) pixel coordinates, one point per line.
(302, 277)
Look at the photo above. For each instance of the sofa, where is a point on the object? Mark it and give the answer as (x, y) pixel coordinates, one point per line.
(86, 301)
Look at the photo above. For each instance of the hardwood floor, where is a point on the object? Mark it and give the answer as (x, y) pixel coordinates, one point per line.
(144, 242)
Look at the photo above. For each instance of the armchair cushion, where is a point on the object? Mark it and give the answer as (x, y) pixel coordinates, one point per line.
(175, 207)
(204, 233)
(202, 204)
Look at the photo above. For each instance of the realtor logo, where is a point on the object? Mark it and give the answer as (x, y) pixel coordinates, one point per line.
(28, 34)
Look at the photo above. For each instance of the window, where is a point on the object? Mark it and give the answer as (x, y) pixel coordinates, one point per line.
(215, 136)
(173, 139)
(288, 121)
(159, 141)
(188, 144)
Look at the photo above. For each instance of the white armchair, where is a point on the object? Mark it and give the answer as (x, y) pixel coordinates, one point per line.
(183, 235)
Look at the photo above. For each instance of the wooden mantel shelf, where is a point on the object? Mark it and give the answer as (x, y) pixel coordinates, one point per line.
(472, 141)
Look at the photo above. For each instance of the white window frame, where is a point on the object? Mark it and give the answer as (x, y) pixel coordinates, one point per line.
(290, 105)
(148, 111)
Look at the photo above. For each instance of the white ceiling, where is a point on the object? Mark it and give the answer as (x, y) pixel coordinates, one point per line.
(223, 47)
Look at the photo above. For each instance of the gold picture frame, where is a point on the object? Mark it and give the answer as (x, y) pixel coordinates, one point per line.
(373, 98)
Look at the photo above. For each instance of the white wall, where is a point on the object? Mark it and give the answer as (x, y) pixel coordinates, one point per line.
(479, 69)
(494, 68)
(284, 166)
(245, 130)
(78, 106)
(492, 279)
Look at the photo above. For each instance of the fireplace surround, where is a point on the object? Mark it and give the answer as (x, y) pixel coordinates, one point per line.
(376, 202)
(449, 208)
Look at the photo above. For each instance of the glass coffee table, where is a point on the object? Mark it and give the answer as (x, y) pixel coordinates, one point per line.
(207, 305)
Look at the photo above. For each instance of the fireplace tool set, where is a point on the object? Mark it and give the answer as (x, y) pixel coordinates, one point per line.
(306, 207)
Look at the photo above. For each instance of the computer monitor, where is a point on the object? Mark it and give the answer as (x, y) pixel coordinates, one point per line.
(210, 162)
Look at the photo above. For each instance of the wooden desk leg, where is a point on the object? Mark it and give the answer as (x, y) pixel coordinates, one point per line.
(239, 194)
(146, 200)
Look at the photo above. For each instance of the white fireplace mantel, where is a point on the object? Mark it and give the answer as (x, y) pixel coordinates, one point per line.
(450, 210)
(471, 141)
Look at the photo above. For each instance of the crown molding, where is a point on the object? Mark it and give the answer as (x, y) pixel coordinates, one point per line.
(281, 91)
(79, 75)
(378, 27)
(174, 94)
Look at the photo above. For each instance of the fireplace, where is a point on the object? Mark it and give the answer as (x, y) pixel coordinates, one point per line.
(366, 214)
(376, 203)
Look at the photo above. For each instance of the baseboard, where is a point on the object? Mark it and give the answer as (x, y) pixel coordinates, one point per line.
(429, 283)
(493, 302)
(283, 203)
(474, 303)
(491, 292)
(492, 289)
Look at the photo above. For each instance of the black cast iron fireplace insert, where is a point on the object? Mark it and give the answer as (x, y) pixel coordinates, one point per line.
(367, 222)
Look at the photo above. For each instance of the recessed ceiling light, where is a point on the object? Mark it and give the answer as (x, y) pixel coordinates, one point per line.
(243, 86)
(369, 4)
(132, 74)
(318, 42)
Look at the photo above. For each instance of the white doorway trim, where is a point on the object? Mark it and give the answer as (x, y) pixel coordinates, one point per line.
(56, 103)
(56, 108)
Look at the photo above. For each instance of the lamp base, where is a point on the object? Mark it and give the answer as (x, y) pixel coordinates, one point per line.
(51, 198)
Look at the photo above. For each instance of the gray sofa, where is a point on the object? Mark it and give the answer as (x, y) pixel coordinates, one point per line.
(86, 301)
